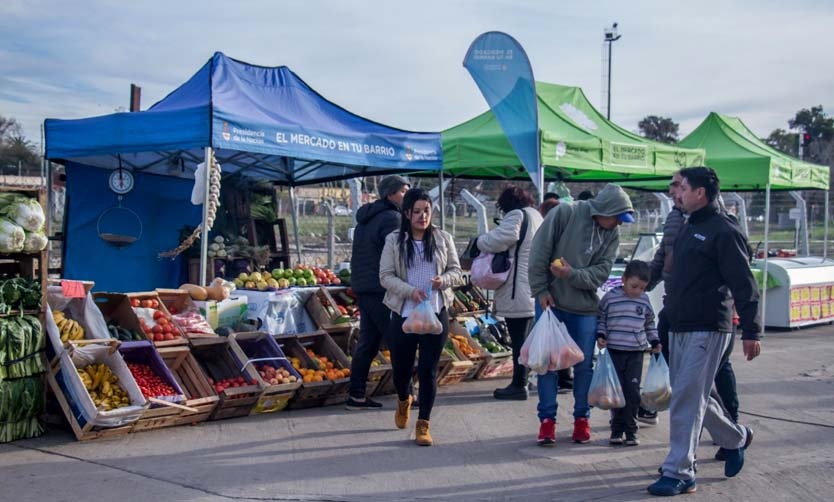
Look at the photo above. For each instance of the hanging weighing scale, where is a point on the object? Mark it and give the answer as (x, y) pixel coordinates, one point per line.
(120, 226)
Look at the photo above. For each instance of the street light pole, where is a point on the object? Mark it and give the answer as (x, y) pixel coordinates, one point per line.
(611, 36)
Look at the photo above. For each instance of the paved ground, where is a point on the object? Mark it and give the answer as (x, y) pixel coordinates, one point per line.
(484, 449)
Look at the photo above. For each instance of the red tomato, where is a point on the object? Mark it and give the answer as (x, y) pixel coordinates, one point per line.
(157, 314)
(168, 336)
(172, 310)
(157, 329)
(135, 302)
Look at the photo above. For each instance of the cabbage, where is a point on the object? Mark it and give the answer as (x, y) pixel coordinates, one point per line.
(11, 237)
(23, 211)
(34, 242)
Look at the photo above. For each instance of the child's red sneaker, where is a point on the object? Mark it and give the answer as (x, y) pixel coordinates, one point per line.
(547, 432)
(581, 430)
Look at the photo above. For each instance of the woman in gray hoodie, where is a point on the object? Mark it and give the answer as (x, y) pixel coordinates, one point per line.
(585, 236)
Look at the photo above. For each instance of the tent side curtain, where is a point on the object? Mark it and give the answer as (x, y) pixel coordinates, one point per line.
(744, 162)
(577, 143)
(264, 120)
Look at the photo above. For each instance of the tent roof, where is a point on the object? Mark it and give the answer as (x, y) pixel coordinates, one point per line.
(577, 144)
(745, 162)
(266, 121)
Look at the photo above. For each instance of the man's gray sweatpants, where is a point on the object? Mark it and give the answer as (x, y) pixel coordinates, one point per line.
(694, 358)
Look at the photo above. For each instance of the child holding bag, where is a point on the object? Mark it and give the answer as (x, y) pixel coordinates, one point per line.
(626, 326)
(418, 269)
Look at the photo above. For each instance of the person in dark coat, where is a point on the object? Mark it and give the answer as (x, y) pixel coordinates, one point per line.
(710, 272)
(375, 221)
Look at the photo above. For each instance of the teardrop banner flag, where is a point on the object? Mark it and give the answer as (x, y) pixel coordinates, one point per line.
(502, 71)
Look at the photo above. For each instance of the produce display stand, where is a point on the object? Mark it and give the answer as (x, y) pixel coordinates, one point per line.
(116, 307)
(380, 369)
(311, 394)
(160, 414)
(255, 348)
(32, 266)
(218, 362)
(324, 310)
(199, 393)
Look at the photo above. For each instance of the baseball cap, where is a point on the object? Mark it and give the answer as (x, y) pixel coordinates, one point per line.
(626, 217)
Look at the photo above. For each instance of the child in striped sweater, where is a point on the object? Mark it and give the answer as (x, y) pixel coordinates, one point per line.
(626, 326)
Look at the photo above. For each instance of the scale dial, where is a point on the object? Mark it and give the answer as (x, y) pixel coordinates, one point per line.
(121, 181)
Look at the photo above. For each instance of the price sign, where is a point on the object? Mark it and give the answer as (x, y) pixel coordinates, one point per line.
(73, 289)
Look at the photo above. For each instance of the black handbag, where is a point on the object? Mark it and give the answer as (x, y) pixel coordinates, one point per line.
(469, 254)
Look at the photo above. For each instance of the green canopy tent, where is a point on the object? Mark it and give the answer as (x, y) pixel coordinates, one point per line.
(577, 144)
(746, 163)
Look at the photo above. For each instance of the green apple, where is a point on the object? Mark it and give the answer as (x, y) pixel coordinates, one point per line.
(291, 281)
(302, 282)
(277, 273)
(243, 277)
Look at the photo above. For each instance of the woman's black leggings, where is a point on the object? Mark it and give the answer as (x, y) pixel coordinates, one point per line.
(404, 347)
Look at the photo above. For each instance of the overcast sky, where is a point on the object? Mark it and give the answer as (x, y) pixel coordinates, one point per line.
(400, 62)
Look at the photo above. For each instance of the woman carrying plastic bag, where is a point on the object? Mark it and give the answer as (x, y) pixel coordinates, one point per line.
(605, 393)
(417, 259)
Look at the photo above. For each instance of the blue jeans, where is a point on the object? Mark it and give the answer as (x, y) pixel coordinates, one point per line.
(582, 329)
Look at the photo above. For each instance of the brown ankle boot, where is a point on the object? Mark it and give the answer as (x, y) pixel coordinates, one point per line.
(422, 433)
(402, 413)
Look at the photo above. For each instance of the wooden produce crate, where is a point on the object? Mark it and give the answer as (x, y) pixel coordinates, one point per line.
(218, 362)
(469, 300)
(86, 420)
(252, 351)
(380, 369)
(199, 393)
(451, 370)
(117, 307)
(185, 313)
(325, 312)
(478, 359)
(162, 412)
(143, 311)
(322, 344)
(386, 383)
(311, 393)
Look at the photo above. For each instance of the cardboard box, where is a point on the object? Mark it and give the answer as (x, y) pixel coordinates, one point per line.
(226, 313)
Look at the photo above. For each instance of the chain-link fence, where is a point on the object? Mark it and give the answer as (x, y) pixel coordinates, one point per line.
(325, 217)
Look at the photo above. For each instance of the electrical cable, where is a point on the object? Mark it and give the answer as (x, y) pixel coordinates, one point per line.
(780, 419)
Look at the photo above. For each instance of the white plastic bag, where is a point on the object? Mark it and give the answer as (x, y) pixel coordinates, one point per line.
(549, 346)
(198, 193)
(423, 320)
(605, 393)
(482, 274)
(657, 391)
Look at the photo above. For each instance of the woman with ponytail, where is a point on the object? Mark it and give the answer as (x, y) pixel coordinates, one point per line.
(419, 263)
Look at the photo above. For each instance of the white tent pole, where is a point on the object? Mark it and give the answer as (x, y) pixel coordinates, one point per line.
(295, 224)
(204, 241)
(825, 234)
(764, 268)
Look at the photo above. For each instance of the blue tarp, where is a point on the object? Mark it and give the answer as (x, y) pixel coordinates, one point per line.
(90, 209)
(266, 121)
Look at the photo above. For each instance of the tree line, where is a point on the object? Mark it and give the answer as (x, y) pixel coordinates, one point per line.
(17, 154)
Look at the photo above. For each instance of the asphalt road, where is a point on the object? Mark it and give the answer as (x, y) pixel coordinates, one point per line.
(484, 449)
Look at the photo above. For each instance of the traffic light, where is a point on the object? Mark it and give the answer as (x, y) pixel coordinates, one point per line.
(806, 139)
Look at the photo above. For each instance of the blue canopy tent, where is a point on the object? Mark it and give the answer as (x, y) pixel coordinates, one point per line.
(265, 122)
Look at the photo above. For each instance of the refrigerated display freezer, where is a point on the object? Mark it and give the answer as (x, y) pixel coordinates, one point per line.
(804, 294)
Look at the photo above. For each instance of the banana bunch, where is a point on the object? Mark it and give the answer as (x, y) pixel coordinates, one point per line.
(103, 386)
(69, 329)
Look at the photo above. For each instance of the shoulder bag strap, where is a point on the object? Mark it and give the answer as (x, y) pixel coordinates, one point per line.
(517, 246)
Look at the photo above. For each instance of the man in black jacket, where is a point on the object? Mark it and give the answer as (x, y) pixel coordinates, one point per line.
(375, 221)
(709, 272)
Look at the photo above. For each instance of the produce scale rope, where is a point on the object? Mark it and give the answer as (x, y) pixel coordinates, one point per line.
(214, 203)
